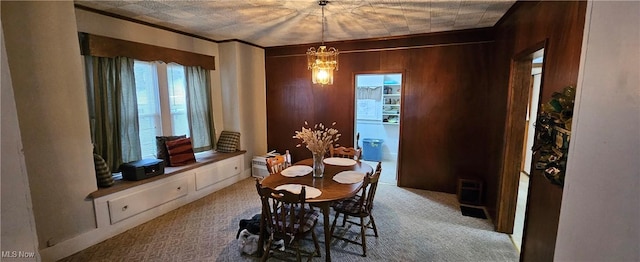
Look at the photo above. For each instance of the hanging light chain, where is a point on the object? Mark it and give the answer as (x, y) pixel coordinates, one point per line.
(323, 25)
(323, 3)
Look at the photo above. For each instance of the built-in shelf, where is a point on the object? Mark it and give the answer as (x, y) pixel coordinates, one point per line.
(378, 97)
(391, 104)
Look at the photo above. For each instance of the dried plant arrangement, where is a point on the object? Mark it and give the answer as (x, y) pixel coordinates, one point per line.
(319, 138)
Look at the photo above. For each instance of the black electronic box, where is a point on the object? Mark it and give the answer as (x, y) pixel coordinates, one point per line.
(141, 169)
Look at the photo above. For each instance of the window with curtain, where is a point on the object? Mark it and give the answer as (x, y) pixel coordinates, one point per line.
(143, 100)
(149, 118)
(170, 105)
(177, 86)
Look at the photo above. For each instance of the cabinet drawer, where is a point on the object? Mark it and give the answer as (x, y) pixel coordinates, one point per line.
(206, 176)
(127, 206)
(220, 171)
(230, 168)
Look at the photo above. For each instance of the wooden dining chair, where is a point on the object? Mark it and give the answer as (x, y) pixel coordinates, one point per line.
(286, 216)
(359, 206)
(276, 164)
(345, 152)
(360, 193)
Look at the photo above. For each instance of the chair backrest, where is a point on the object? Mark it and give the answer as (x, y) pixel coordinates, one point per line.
(345, 152)
(276, 164)
(282, 211)
(379, 167)
(369, 187)
(373, 186)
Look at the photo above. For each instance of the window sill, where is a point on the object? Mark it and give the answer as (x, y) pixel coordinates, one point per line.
(202, 158)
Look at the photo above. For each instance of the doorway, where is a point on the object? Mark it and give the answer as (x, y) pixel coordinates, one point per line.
(377, 121)
(522, 106)
(527, 152)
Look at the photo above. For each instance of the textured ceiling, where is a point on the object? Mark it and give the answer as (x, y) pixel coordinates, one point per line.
(286, 22)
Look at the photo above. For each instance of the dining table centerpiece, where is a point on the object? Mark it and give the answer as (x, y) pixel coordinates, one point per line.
(317, 139)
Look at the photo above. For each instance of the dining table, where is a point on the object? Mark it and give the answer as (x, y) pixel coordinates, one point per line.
(330, 189)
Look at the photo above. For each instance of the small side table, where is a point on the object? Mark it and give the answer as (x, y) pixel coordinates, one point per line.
(470, 191)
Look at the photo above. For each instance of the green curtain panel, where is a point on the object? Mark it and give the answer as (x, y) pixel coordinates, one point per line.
(113, 109)
(129, 126)
(200, 123)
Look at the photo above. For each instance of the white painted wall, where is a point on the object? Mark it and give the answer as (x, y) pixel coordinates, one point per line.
(46, 73)
(244, 96)
(18, 225)
(377, 130)
(230, 95)
(600, 214)
(536, 73)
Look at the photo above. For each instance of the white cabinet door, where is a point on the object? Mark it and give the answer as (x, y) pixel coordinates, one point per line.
(222, 170)
(130, 205)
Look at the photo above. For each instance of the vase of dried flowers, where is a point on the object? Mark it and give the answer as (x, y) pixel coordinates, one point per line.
(318, 165)
(317, 140)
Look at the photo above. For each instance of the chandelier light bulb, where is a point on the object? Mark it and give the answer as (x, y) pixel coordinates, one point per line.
(323, 75)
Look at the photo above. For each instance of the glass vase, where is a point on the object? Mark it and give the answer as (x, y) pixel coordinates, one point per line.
(318, 165)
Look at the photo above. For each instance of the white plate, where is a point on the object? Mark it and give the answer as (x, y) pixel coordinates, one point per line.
(348, 177)
(338, 161)
(311, 192)
(294, 171)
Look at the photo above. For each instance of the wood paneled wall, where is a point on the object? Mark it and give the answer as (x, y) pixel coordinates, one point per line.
(454, 101)
(527, 24)
(444, 128)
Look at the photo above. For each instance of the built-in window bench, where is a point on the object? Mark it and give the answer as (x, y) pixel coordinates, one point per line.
(130, 203)
(202, 159)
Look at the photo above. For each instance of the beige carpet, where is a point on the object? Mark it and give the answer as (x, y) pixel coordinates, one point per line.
(388, 175)
(414, 225)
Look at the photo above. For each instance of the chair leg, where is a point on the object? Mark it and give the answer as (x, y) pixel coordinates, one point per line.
(363, 229)
(297, 245)
(373, 224)
(265, 254)
(344, 219)
(333, 225)
(315, 242)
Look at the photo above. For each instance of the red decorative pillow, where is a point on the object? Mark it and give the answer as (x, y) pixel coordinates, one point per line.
(161, 147)
(180, 152)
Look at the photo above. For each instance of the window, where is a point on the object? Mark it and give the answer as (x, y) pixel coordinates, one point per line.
(131, 101)
(178, 99)
(148, 106)
(162, 103)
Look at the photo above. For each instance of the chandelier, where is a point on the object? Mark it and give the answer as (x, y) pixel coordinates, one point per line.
(322, 61)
